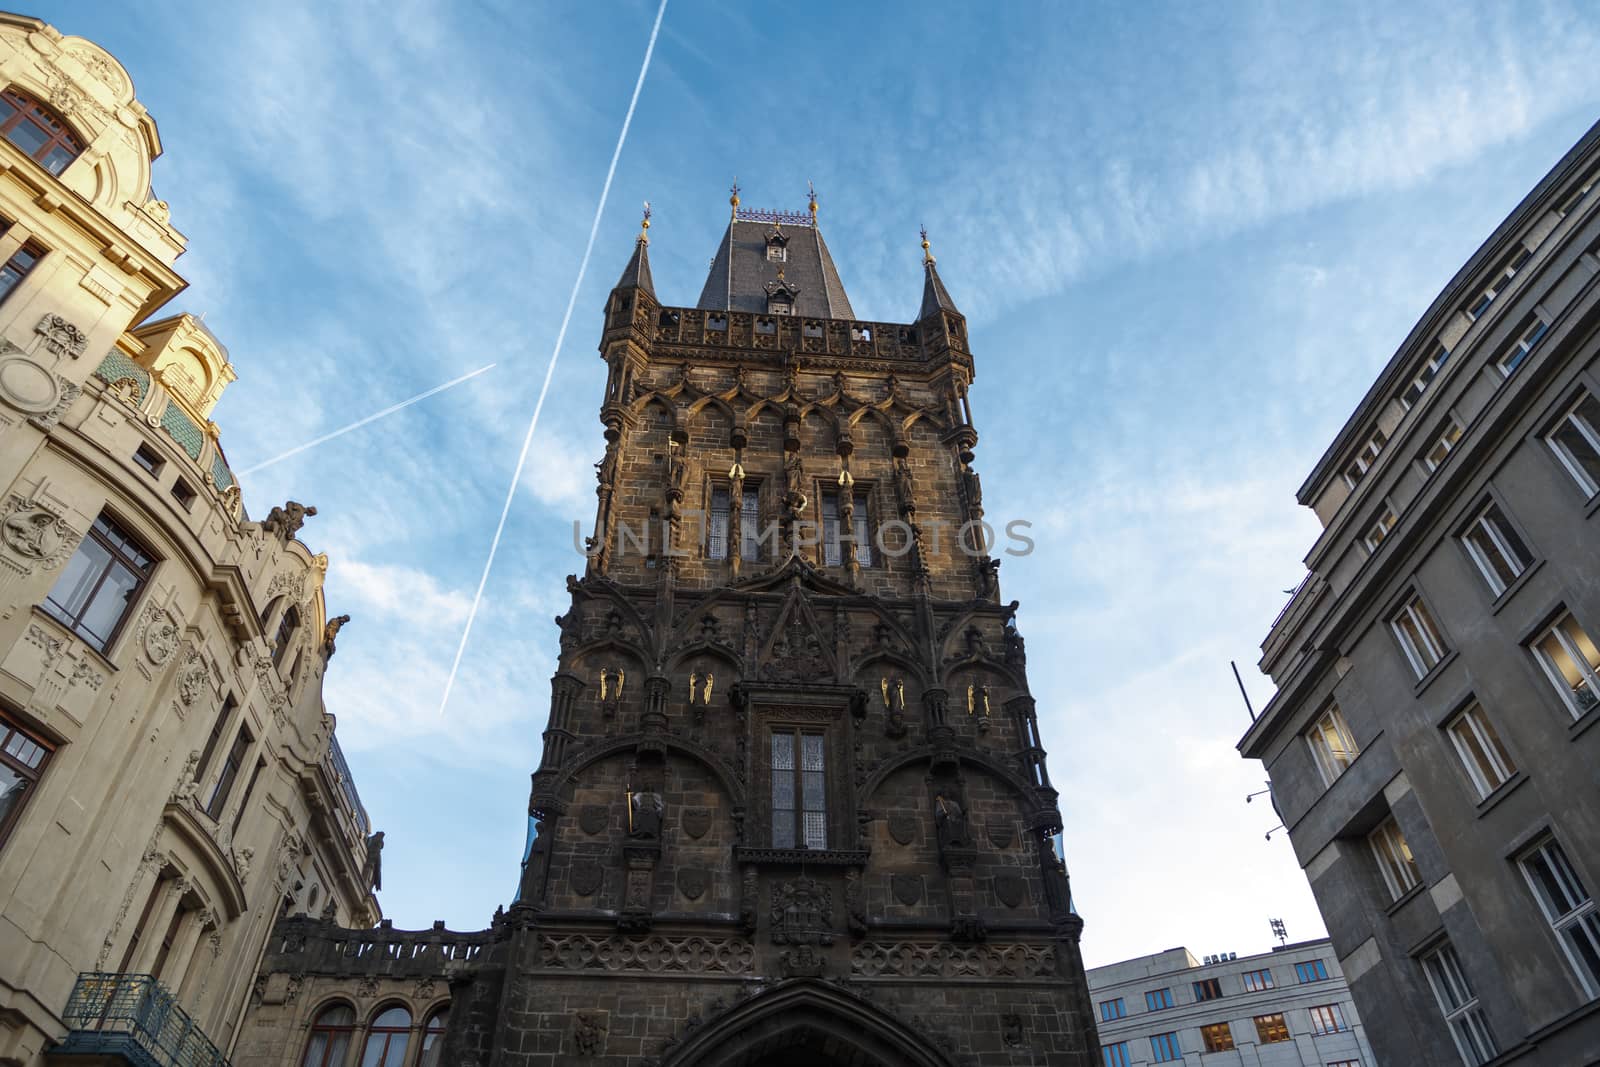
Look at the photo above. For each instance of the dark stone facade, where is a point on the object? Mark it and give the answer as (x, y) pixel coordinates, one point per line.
(667, 913)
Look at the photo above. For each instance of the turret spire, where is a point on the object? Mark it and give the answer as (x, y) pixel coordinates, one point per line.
(935, 298)
(636, 275)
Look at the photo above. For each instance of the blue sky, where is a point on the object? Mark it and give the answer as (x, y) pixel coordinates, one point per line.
(1186, 238)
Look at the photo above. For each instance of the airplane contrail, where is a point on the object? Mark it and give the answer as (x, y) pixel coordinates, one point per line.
(533, 423)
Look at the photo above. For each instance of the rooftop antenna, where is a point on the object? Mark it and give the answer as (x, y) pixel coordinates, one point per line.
(1279, 931)
(1242, 693)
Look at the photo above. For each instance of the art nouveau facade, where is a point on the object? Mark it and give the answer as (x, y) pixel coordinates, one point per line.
(1431, 745)
(169, 782)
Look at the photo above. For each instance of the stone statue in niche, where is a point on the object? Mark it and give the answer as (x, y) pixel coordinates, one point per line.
(677, 470)
(905, 486)
(286, 521)
(893, 691)
(794, 485)
(646, 810)
(612, 680)
(951, 821)
(972, 487)
(988, 578)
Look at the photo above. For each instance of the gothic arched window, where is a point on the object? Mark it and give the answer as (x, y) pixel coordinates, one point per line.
(433, 1039)
(387, 1038)
(330, 1037)
(37, 130)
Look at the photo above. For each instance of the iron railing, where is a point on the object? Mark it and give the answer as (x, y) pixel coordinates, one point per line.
(135, 1017)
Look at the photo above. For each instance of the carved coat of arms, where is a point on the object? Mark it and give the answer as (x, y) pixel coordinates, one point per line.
(802, 913)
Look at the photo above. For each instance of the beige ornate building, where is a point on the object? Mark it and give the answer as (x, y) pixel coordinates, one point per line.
(169, 779)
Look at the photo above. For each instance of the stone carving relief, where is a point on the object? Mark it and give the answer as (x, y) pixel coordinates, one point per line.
(588, 1034)
(586, 878)
(903, 828)
(907, 888)
(696, 822)
(1000, 833)
(61, 337)
(655, 954)
(1012, 889)
(187, 788)
(914, 959)
(367, 986)
(594, 818)
(692, 882)
(36, 534)
(158, 634)
(194, 679)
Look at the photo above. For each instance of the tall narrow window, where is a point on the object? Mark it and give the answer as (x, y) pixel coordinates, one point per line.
(1571, 662)
(249, 790)
(286, 628)
(832, 550)
(1495, 547)
(1500, 282)
(1332, 745)
(1448, 436)
(1419, 637)
(799, 790)
(219, 726)
(1532, 333)
(717, 525)
(17, 267)
(1327, 1019)
(432, 1040)
(330, 1038)
(1380, 528)
(1395, 862)
(1429, 371)
(95, 593)
(1364, 460)
(22, 760)
(387, 1038)
(1164, 1048)
(750, 525)
(1468, 1025)
(230, 771)
(1115, 1055)
(38, 131)
(1569, 909)
(862, 531)
(1482, 755)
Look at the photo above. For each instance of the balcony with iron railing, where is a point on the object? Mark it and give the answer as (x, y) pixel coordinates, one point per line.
(135, 1019)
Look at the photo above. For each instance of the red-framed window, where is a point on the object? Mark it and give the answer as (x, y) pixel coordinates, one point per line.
(387, 1038)
(331, 1034)
(37, 130)
(22, 760)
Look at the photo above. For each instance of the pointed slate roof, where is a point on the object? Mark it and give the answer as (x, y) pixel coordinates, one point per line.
(741, 273)
(935, 297)
(636, 275)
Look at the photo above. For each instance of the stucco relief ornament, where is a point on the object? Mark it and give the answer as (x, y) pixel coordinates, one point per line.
(159, 210)
(159, 635)
(61, 337)
(36, 533)
(187, 786)
(192, 682)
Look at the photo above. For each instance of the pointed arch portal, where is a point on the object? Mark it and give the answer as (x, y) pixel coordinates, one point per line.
(803, 1023)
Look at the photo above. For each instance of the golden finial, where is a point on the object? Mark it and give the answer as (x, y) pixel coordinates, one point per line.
(734, 199)
(644, 225)
(811, 195)
(927, 256)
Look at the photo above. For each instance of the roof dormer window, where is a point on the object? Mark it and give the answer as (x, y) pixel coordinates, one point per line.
(777, 246)
(38, 131)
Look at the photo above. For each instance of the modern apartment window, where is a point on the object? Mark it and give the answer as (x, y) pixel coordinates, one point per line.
(38, 131)
(1311, 971)
(1332, 745)
(1571, 662)
(22, 760)
(1164, 1048)
(149, 459)
(17, 267)
(1419, 637)
(1256, 981)
(1502, 280)
(1576, 442)
(230, 772)
(1394, 857)
(94, 595)
(1380, 528)
(1217, 1037)
(717, 525)
(1569, 908)
(1365, 458)
(1156, 999)
(1467, 1022)
(1429, 371)
(1482, 755)
(1532, 333)
(387, 1039)
(1496, 548)
(1271, 1029)
(1115, 1055)
(1327, 1019)
(330, 1038)
(1207, 989)
(1577, 195)
(799, 790)
(1344, 1063)
(1449, 435)
(750, 525)
(1112, 1009)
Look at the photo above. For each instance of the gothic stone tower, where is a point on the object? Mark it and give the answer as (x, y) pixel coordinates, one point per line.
(792, 805)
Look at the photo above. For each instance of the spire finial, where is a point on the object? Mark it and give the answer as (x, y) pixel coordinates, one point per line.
(734, 199)
(927, 256)
(811, 200)
(644, 225)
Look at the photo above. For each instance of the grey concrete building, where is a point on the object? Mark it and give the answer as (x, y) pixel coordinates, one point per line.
(1431, 743)
(1286, 1008)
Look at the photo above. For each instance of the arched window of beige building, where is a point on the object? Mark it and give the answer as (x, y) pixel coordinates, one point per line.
(433, 1038)
(330, 1037)
(37, 130)
(286, 629)
(387, 1038)
(186, 375)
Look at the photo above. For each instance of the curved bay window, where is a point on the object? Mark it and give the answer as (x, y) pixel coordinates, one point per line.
(22, 759)
(38, 131)
(387, 1039)
(330, 1037)
(433, 1039)
(94, 595)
